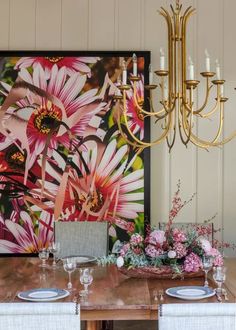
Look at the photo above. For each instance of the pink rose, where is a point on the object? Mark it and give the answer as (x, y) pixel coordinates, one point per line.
(205, 244)
(136, 239)
(178, 235)
(157, 237)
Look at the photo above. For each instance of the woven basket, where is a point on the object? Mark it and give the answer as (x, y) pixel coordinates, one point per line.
(155, 272)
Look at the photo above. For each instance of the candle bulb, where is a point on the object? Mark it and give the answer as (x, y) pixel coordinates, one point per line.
(124, 73)
(217, 70)
(135, 65)
(207, 61)
(222, 90)
(118, 92)
(150, 75)
(191, 69)
(162, 59)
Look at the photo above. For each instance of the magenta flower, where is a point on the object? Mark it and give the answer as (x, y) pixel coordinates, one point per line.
(71, 64)
(136, 239)
(192, 263)
(178, 235)
(180, 250)
(152, 252)
(125, 248)
(156, 237)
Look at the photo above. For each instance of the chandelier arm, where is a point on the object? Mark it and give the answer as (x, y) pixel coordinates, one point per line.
(141, 110)
(221, 122)
(142, 143)
(170, 28)
(185, 123)
(207, 115)
(188, 12)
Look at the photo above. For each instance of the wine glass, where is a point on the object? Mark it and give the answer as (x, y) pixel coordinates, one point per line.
(86, 278)
(43, 256)
(219, 276)
(54, 249)
(207, 263)
(69, 265)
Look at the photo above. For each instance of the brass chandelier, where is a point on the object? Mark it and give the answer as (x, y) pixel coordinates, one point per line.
(177, 84)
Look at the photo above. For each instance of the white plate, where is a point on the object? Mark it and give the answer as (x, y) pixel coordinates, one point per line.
(42, 294)
(82, 259)
(190, 292)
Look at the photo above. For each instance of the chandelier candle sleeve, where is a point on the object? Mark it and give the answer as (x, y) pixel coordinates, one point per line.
(150, 75)
(222, 90)
(191, 69)
(207, 61)
(135, 66)
(217, 70)
(124, 73)
(162, 59)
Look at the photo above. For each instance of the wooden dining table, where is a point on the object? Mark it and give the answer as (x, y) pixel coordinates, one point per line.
(112, 295)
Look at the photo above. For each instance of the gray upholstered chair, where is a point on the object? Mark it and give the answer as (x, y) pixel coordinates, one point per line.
(82, 238)
(207, 316)
(40, 316)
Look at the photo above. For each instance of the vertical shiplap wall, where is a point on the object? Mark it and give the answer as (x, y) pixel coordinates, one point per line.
(135, 24)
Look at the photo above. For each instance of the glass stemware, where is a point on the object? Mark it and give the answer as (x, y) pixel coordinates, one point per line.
(43, 256)
(69, 265)
(219, 276)
(207, 263)
(86, 278)
(54, 249)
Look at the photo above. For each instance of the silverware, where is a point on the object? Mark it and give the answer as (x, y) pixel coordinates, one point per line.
(161, 295)
(225, 294)
(155, 295)
(218, 296)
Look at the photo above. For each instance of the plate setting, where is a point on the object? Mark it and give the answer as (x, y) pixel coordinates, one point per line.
(82, 259)
(43, 294)
(190, 292)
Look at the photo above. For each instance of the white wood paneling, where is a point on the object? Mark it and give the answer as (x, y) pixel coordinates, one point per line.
(129, 16)
(4, 23)
(48, 24)
(102, 24)
(75, 23)
(135, 24)
(209, 194)
(22, 27)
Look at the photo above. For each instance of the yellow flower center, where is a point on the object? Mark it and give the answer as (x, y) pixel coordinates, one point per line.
(46, 120)
(54, 59)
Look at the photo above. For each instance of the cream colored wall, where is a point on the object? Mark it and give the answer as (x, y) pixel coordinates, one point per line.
(135, 24)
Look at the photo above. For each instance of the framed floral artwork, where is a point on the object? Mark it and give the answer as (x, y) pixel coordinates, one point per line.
(62, 157)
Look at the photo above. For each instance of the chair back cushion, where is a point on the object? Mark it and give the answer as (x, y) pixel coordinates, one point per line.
(82, 238)
(197, 316)
(40, 316)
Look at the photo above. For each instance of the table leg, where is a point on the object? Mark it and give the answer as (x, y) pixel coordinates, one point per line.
(93, 325)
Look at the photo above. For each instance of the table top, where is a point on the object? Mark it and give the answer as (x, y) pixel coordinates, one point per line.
(112, 295)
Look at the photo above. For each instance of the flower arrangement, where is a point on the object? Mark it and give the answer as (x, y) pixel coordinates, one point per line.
(172, 250)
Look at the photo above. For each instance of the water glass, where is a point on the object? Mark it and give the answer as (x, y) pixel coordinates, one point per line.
(43, 256)
(69, 265)
(207, 263)
(54, 248)
(86, 278)
(219, 276)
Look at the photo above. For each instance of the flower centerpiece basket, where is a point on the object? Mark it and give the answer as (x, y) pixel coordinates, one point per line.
(169, 252)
